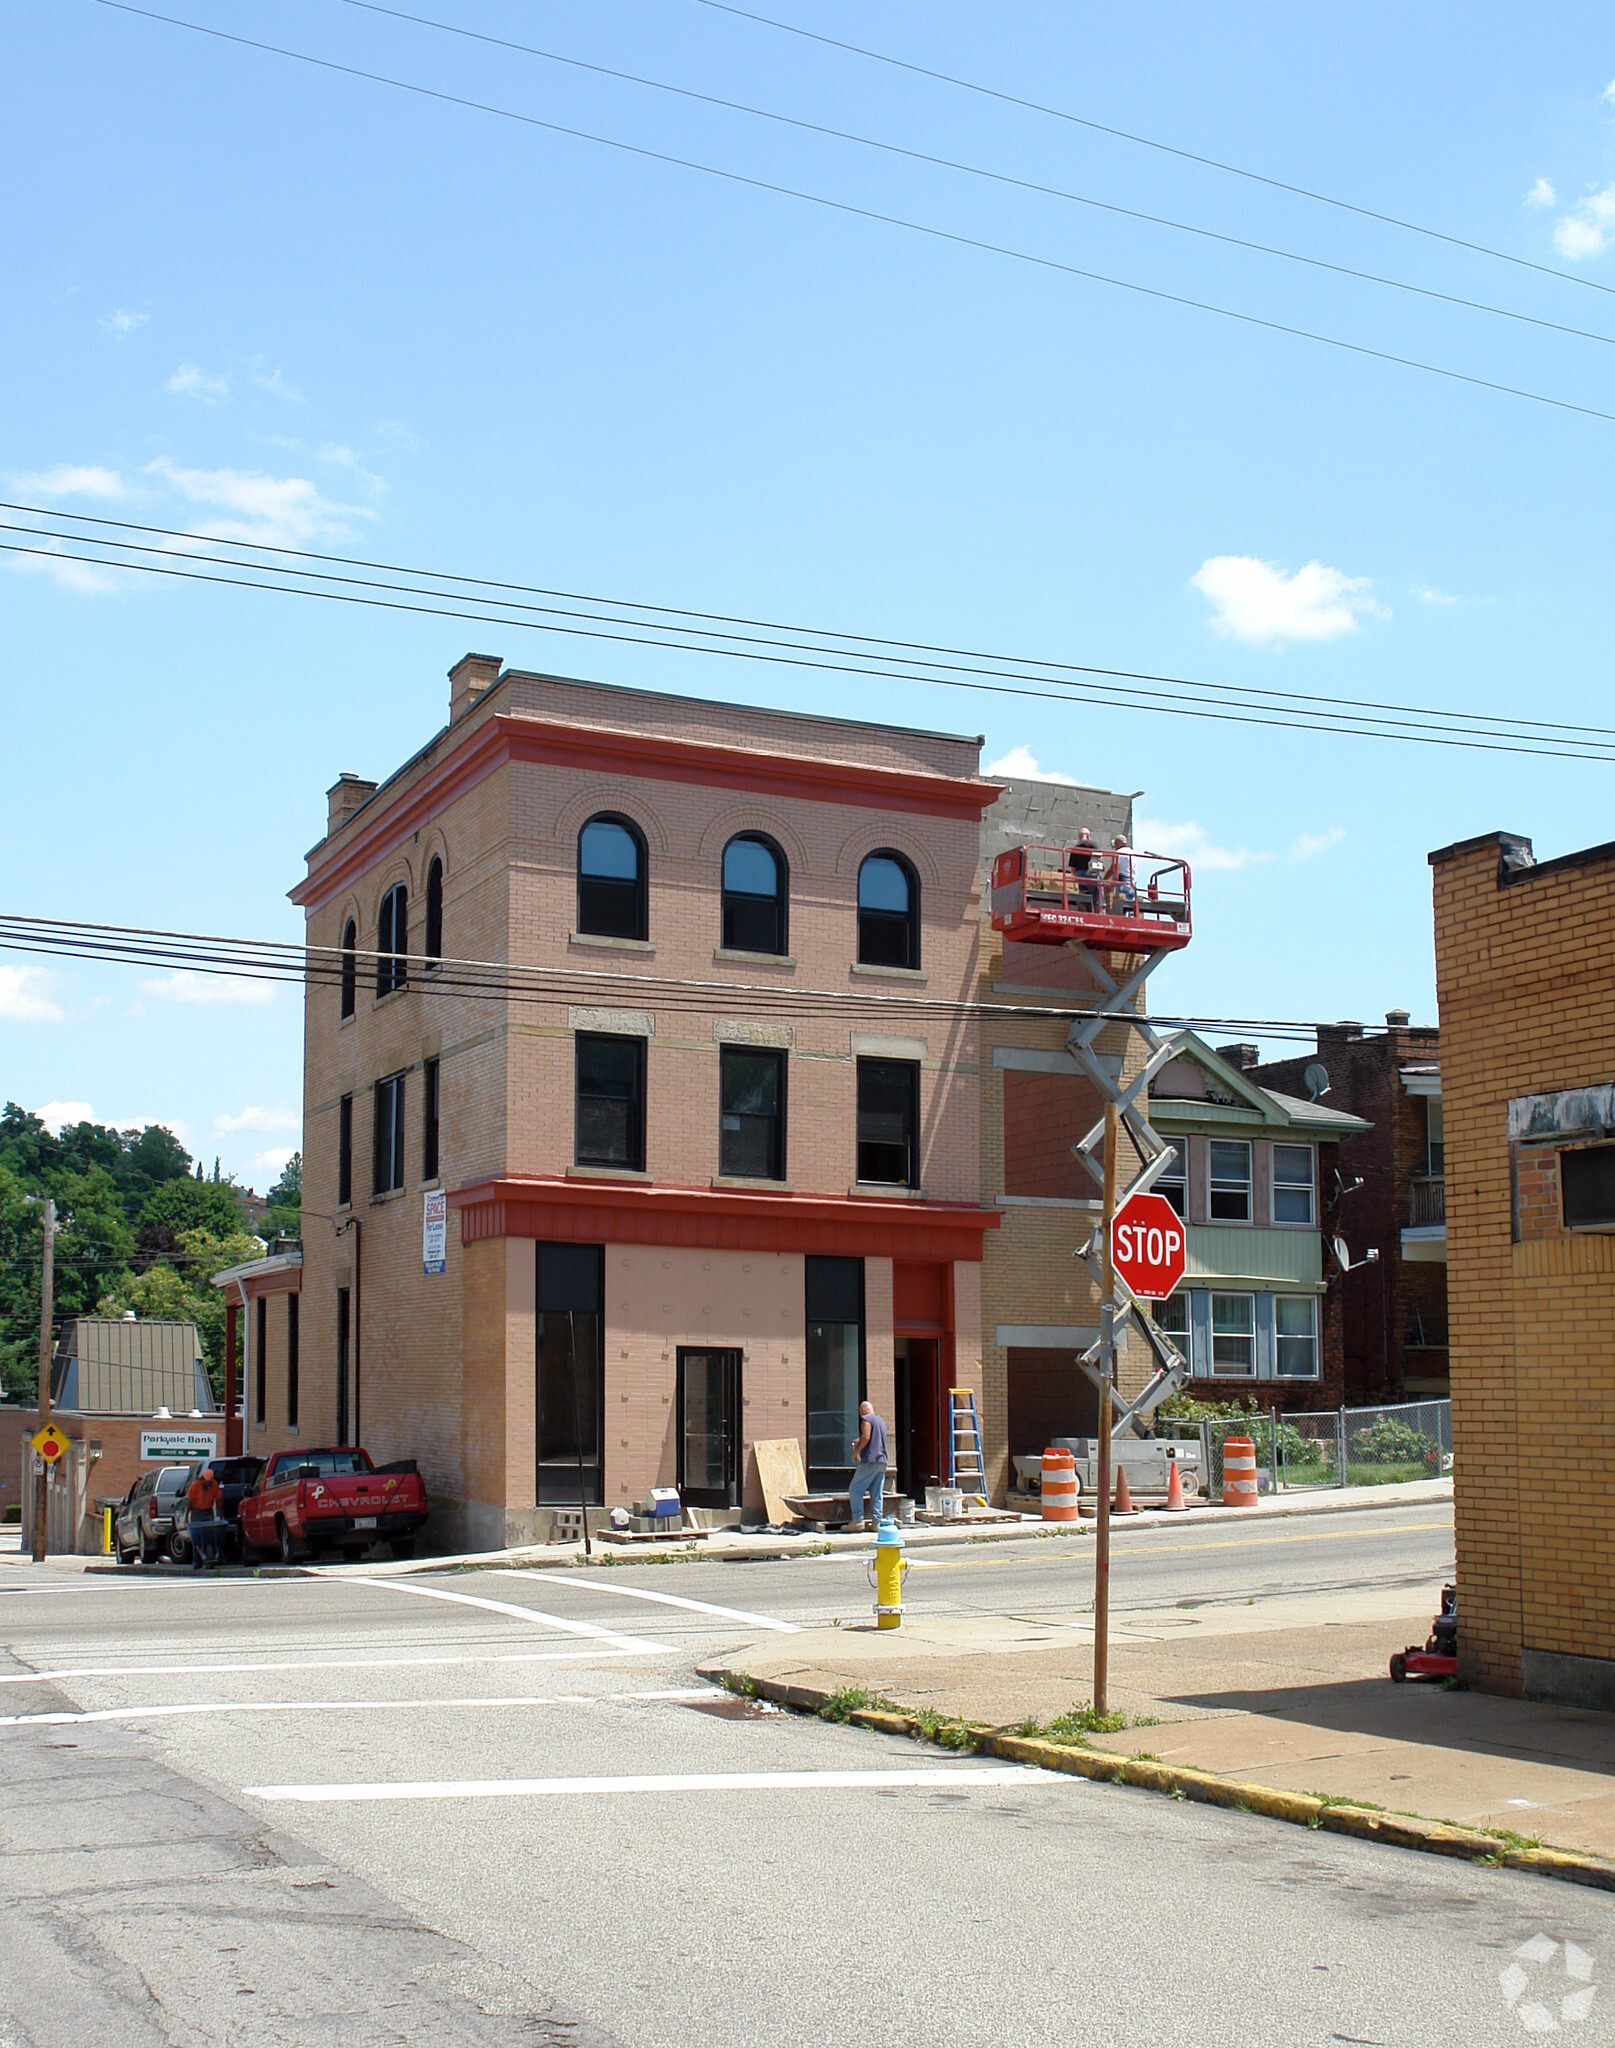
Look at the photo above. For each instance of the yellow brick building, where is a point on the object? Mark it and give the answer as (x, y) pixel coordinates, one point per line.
(1525, 976)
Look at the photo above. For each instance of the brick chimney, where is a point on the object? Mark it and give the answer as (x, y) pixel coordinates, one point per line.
(344, 797)
(471, 676)
(1241, 1056)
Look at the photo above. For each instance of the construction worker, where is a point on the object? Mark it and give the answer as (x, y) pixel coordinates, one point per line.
(868, 1468)
(206, 1526)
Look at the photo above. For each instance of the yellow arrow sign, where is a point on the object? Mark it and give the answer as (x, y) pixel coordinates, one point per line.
(49, 1442)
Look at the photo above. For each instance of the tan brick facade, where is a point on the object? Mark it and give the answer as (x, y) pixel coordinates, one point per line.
(442, 1366)
(1525, 966)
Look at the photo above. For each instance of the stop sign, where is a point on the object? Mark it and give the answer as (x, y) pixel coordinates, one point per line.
(1147, 1246)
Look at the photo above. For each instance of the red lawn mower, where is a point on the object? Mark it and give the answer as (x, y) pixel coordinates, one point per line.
(1439, 1657)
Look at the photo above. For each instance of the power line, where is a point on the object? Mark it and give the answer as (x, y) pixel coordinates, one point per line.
(867, 213)
(920, 156)
(499, 980)
(1189, 156)
(858, 656)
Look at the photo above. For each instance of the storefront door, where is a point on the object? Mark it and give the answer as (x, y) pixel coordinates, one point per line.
(921, 1406)
(709, 1428)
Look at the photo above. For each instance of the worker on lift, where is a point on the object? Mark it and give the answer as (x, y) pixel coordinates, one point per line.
(1123, 896)
(1087, 869)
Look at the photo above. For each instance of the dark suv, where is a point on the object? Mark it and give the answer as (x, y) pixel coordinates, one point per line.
(237, 1477)
(145, 1521)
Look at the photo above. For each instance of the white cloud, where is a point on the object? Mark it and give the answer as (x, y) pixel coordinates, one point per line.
(187, 986)
(1019, 764)
(121, 323)
(1256, 602)
(1191, 842)
(191, 382)
(276, 511)
(1542, 194)
(73, 480)
(1590, 229)
(1608, 94)
(1427, 593)
(25, 996)
(53, 1115)
(256, 1119)
(1311, 843)
(274, 1160)
(275, 382)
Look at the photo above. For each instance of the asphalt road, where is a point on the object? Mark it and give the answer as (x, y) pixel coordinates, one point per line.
(495, 1807)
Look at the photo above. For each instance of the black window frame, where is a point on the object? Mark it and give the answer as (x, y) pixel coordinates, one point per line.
(344, 1153)
(294, 1342)
(1584, 1204)
(752, 923)
(731, 1159)
(392, 940)
(431, 1093)
(569, 1284)
(1174, 1187)
(387, 1134)
(874, 1074)
(889, 938)
(350, 970)
(432, 945)
(593, 1045)
(608, 906)
(833, 1291)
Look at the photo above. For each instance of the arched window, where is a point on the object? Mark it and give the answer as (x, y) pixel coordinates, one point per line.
(350, 967)
(434, 910)
(888, 912)
(754, 895)
(392, 940)
(611, 878)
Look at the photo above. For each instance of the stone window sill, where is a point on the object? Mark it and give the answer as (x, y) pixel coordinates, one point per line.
(915, 974)
(886, 1189)
(607, 1173)
(393, 995)
(611, 945)
(386, 1195)
(1048, 1202)
(734, 957)
(768, 1187)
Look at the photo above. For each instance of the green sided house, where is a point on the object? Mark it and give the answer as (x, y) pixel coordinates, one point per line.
(1259, 1310)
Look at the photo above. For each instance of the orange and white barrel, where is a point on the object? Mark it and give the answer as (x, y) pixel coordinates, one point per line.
(1058, 1486)
(1238, 1472)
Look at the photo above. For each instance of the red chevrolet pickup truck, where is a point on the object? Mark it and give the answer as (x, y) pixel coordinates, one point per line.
(309, 1501)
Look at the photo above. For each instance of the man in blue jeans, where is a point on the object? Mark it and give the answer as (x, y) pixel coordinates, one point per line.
(868, 1468)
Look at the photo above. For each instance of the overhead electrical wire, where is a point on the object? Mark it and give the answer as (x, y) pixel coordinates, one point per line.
(1189, 156)
(819, 199)
(443, 594)
(501, 981)
(945, 163)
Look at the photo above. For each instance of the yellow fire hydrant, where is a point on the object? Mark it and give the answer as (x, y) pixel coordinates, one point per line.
(890, 1565)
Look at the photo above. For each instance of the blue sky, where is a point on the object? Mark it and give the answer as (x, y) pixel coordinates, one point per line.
(249, 296)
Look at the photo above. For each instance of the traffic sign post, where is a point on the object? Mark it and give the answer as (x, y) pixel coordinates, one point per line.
(1148, 1247)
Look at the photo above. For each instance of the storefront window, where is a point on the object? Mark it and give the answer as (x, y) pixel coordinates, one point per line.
(570, 1374)
(835, 1367)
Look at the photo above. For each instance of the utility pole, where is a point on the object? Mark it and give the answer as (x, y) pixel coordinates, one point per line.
(1107, 1363)
(47, 1290)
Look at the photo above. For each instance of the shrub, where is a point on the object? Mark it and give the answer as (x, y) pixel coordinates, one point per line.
(1391, 1441)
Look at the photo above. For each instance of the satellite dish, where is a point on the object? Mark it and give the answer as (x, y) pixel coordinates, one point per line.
(1316, 1078)
(1342, 1253)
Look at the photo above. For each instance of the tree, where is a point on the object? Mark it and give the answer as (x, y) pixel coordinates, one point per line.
(181, 1205)
(93, 1246)
(137, 1162)
(284, 1215)
(178, 1287)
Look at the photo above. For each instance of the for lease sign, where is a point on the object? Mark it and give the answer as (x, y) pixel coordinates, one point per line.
(435, 1232)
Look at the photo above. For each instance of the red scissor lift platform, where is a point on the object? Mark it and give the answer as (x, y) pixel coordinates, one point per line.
(1121, 902)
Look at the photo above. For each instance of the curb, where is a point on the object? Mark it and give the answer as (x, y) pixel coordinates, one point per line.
(1300, 1809)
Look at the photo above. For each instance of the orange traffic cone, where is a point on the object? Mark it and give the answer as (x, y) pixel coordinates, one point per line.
(1174, 1490)
(1123, 1503)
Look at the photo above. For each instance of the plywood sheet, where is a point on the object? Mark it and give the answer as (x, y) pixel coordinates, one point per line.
(780, 1471)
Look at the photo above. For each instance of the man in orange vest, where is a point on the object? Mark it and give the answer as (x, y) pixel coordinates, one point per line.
(206, 1527)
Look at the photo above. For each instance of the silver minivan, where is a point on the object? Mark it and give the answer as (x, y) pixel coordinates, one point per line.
(144, 1522)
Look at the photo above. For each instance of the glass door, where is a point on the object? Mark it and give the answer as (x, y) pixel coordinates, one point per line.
(709, 1428)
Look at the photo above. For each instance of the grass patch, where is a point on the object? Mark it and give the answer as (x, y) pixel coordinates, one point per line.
(1077, 1723)
(844, 1702)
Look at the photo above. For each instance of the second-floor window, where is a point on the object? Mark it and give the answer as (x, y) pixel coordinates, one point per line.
(1173, 1179)
(889, 1122)
(1435, 1140)
(434, 911)
(611, 879)
(389, 1135)
(1292, 1183)
(1587, 1187)
(888, 912)
(751, 1137)
(392, 940)
(350, 967)
(753, 895)
(431, 1072)
(1229, 1171)
(610, 1116)
(344, 1152)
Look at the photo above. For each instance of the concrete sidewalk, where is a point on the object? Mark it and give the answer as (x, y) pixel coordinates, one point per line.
(1291, 1693)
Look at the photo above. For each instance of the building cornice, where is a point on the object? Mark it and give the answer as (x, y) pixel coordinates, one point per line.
(544, 1206)
(494, 742)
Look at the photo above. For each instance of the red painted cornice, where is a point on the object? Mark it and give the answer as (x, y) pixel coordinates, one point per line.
(549, 1206)
(602, 750)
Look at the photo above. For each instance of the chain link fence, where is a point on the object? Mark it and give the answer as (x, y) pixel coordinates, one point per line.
(1333, 1447)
